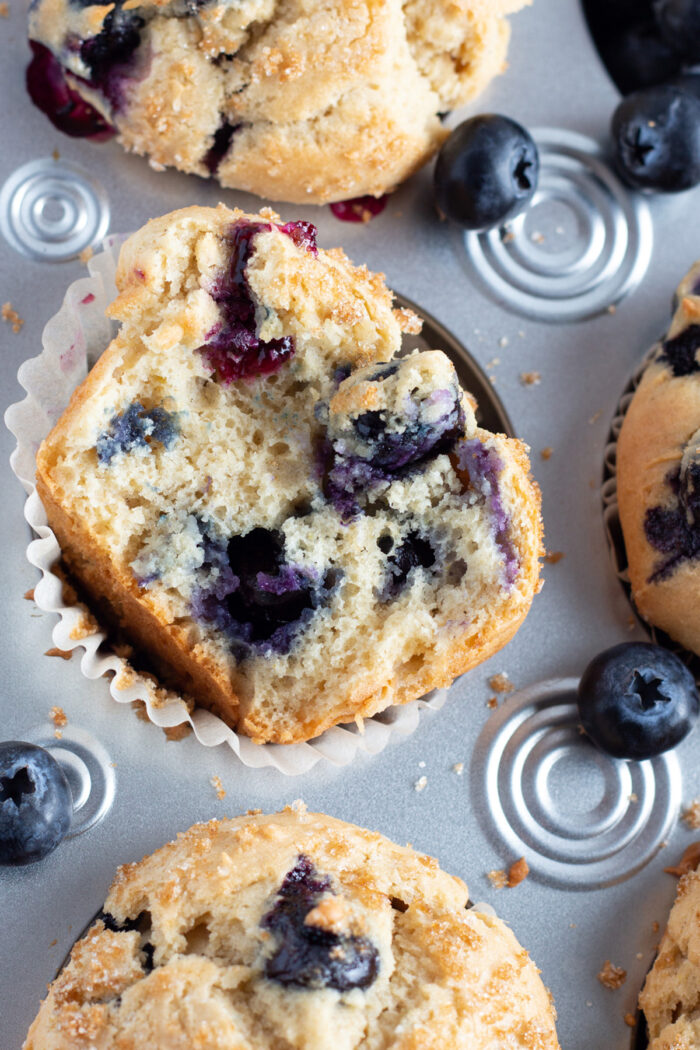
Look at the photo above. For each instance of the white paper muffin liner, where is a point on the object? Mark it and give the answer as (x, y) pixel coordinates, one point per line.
(611, 516)
(72, 342)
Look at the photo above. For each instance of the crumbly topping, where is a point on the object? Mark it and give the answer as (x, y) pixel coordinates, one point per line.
(10, 315)
(501, 683)
(518, 872)
(409, 322)
(612, 976)
(688, 862)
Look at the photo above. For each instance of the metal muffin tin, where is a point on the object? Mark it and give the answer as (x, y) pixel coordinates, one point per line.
(603, 265)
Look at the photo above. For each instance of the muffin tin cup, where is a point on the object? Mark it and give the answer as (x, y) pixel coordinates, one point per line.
(72, 341)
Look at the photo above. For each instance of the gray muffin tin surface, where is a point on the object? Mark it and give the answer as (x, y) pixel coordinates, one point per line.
(597, 834)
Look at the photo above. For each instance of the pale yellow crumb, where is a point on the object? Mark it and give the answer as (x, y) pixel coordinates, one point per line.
(501, 683)
(546, 453)
(58, 716)
(691, 814)
(11, 317)
(530, 378)
(86, 255)
(498, 878)
(218, 787)
(458, 768)
(421, 784)
(611, 976)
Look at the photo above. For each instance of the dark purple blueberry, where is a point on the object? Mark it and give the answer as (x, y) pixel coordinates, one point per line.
(637, 57)
(486, 172)
(223, 136)
(689, 83)
(136, 427)
(656, 138)
(359, 209)
(302, 233)
(679, 22)
(308, 956)
(112, 47)
(36, 804)
(50, 92)
(637, 700)
(681, 352)
(689, 483)
(414, 552)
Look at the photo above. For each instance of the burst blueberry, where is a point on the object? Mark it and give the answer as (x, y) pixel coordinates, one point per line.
(136, 427)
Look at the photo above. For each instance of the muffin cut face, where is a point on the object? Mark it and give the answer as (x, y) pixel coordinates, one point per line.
(298, 527)
(658, 469)
(293, 932)
(293, 100)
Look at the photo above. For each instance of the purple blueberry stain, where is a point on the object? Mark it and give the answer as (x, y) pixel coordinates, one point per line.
(484, 466)
(136, 427)
(141, 924)
(674, 529)
(223, 137)
(50, 92)
(233, 349)
(680, 353)
(309, 956)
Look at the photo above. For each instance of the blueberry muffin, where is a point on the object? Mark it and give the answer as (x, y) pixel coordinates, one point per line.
(299, 100)
(658, 477)
(669, 999)
(299, 527)
(294, 932)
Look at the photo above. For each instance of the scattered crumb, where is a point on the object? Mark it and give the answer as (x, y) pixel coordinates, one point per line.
(58, 733)
(55, 154)
(11, 317)
(140, 710)
(492, 379)
(612, 976)
(573, 925)
(639, 955)
(492, 702)
(65, 654)
(546, 453)
(631, 623)
(630, 1020)
(503, 342)
(58, 716)
(29, 595)
(552, 557)
(521, 334)
(536, 237)
(218, 787)
(421, 784)
(501, 683)
(458, 768)
(596, 416)
(4, 10)
(409, 322)
(86, 255)
(691, 814)
(655, 926)
(421, 765)
(498, 878)
(507, 236)
(612, 309)
(54, 942)
(530, 378)
(175, 733)
(493, 362)
(632, 797)
(688, 862)
(518, 872)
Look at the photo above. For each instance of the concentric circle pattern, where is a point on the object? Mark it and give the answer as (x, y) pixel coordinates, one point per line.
(582, 245)
(581, 818)
(52, 210)
(89, 770)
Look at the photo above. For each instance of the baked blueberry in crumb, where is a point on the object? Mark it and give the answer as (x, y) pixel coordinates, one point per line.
(674, 528)
(223, 137)
(483, 465)
(307, 955)
(261, 601)
(136, 427)
(414, 552)
(680, 353)
(233, 349)
(36, 804)
(142, 924)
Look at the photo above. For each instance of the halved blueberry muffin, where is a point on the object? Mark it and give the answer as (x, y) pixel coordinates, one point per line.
(300, 100)
(658, 477)
(299, 527)
(293, 931)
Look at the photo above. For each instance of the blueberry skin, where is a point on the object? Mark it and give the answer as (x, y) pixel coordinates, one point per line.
(637, 700)
(679, 22)
(36, 804)
(656, 139)
(486, 172)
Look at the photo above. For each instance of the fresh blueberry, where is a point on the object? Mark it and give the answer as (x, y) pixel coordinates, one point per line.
(688, 83)
(637, 700)
(638, 57)
(36, 805)
(486, 172)
(679, 22)
(656, 138)
(308, 956)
